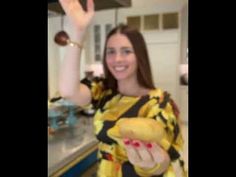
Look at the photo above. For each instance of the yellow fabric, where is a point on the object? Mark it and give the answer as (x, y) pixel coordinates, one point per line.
(109, 169)
(113, 109)
(147, 172)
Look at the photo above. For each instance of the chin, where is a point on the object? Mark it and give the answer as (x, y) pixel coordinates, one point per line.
(121, 76)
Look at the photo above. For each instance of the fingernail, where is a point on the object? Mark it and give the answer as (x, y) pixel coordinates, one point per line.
(126, 141)
(149, 145)
(136, 144)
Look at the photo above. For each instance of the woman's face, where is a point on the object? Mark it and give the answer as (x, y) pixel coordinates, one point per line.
(120, 57)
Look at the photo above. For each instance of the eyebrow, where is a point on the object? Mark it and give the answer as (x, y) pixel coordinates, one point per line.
(121, 48)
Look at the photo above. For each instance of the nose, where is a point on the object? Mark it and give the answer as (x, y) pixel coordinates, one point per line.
(118, 57)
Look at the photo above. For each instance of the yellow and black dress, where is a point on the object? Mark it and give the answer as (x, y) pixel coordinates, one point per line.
(111, 106)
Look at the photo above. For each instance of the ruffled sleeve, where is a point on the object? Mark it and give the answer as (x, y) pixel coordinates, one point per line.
(97, 89)
(169, 115)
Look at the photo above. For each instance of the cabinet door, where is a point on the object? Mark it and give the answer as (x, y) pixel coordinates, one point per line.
(102, 23)
(164, 63)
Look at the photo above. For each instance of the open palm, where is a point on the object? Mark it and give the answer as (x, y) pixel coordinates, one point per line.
(76, 14)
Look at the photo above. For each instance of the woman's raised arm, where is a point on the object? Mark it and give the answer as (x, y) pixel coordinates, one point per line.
(69, 80)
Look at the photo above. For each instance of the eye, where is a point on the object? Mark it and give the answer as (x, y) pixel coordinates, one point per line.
(126, 51)
(110, 51)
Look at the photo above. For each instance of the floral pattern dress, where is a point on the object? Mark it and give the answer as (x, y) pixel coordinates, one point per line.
(111, 106)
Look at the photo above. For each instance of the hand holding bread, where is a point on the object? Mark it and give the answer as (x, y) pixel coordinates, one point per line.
(145, 142)
(144, 129)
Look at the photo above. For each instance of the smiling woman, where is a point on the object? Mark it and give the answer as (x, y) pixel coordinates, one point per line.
(120, 60)
(127, 91)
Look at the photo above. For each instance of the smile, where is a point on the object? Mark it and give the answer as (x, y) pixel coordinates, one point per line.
(120, 68)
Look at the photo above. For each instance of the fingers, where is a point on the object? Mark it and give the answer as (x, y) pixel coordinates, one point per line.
(132, 154)
(79, 18)
(138, 153)
(90, 8)
(157, 152)
(90, 5)
(68, 5)
(160, 157)
(145, 155)
(142, 151)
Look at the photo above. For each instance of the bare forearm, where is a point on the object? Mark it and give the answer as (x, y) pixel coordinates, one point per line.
(70, 71)
(70, 86)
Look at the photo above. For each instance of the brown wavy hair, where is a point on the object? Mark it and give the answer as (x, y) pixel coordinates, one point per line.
(144, 73)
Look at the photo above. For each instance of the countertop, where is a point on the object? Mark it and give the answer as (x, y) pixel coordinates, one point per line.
(69, 143)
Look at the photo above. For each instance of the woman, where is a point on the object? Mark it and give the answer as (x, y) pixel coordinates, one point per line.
(126, 91)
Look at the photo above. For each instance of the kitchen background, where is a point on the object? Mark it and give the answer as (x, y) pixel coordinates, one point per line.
(164, 24)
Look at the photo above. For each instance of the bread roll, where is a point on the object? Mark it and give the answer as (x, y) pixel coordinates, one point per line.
(144, 129)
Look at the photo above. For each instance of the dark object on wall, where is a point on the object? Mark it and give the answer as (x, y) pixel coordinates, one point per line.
(61, 38)
(184, 79)
(54, 5)
(52, 100)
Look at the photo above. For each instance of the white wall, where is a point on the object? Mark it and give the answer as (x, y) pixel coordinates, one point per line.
(184, 60)
(184, 33)
(53, 56)
(164, 50)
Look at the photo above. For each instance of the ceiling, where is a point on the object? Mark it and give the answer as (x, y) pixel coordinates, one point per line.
(55, 8)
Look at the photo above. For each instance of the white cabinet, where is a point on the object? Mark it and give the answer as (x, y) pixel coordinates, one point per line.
(100, 26)
(184, 103)
(164, 49)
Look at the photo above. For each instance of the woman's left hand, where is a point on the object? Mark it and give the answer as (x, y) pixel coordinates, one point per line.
(146, 155)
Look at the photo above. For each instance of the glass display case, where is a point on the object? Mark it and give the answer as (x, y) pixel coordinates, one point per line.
(72, 144)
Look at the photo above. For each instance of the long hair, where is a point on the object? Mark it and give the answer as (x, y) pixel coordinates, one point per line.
(144, 74)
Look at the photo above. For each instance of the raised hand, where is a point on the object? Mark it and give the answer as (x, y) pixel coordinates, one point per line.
(79, 18)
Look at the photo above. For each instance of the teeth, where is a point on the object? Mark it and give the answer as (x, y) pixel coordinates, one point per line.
(120, 68)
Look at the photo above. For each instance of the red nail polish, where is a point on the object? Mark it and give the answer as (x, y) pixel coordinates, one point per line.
(127, 142)
(149, 145)
(136, 144)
